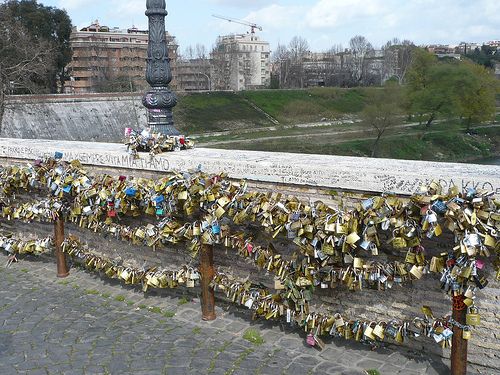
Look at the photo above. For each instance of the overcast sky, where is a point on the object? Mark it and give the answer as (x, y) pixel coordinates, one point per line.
(322, 22)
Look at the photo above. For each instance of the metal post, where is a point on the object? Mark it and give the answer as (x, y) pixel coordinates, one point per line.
(207, 274)
(62, 265)
(458, 345)
(160, 99)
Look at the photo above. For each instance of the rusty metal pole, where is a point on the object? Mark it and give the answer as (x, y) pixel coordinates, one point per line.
(62, 265)
(207, 274)
(458, 345)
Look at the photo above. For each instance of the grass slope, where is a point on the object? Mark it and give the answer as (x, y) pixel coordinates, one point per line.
(216, 111)
(310, 105)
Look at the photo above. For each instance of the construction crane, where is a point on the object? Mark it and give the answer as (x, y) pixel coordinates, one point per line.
(253, 26)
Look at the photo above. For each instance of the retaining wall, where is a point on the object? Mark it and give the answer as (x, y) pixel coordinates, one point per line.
(309, 177)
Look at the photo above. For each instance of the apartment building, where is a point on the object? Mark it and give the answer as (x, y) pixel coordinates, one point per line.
(241, 62)
(103, 57)
(193, 74)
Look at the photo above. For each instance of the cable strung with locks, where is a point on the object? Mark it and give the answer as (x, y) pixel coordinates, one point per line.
(264, 304)
(154, 143)
(326, 237)
(360, 275)
(276, 306)
(153, 277)
(14, 246)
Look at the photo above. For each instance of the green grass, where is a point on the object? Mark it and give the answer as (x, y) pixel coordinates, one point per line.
(196, 330)
(120, 298)
(155, 309)
(253, 336)
(168, 314)
(216, 111)
(373, 372)
(92, 292)
(183, 301)
(294, 106)
(446, 142)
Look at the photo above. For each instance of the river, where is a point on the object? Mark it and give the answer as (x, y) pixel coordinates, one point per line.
(491, 161)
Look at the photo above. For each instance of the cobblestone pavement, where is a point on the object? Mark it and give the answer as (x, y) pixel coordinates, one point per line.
(86, 325)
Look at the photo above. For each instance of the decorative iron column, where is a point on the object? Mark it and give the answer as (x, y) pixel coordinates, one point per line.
(159, 100)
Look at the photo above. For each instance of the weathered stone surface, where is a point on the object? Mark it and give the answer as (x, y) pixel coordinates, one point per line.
(334, 172)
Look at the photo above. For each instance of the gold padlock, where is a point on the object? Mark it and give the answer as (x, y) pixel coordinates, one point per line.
(339, 321)
(369, 331)
(379, 330)
(417, 271)
(472, 318)
(466, 333)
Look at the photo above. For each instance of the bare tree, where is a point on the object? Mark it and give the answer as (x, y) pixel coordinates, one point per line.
(299, 49)
(201, 51)
(224, 64)
(398, 57)
(281, 62)
(188, 53)
(25, 61)
(360, 49)
(382, 112)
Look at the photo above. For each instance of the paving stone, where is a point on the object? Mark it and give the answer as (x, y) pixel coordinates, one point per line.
(69, 332)
(369, 364)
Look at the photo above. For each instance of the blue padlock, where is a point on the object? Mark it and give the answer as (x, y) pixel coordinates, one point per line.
(130, 192)
(215, 228)
(67, 189)
(439, 207)
(58, 155)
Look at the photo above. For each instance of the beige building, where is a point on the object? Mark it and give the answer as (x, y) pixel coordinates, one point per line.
(107, 59)
(193, 75)
(241, 62)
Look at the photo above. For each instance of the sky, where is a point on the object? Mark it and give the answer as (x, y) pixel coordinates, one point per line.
(323, 23)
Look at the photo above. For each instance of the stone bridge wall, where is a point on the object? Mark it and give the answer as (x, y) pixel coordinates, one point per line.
(309, 177)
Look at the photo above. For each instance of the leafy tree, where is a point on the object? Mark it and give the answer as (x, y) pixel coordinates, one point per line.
(45, 23)
(383, 111)
(450, 88)
(486, 56)
(475, 90)
(430, 87)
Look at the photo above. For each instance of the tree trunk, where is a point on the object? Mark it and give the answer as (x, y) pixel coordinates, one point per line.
(375, 145)
(429, 121)
(469, 123)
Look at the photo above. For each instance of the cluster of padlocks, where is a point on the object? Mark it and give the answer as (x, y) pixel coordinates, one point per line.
(154, 143)
(336, 248)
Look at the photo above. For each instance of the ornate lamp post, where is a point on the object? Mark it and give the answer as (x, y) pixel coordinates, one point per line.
(159, 100)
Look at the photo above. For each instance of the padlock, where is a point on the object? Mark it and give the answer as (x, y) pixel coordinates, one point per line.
(379, 330)
(310, 340)
(369, 330)
(466, 333)
(472, 318)
(339, 321)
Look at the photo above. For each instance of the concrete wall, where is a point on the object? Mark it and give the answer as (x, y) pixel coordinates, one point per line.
(308, 176)
(100, 118)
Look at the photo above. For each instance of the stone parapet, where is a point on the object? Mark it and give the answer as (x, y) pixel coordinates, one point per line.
(401, 177)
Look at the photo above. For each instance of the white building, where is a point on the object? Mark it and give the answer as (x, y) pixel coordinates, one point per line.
(241, 62)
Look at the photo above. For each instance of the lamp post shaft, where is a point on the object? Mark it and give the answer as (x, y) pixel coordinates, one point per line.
(160, 99)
